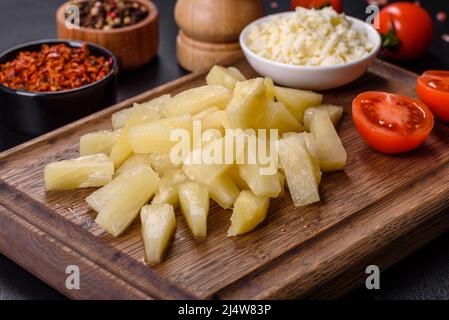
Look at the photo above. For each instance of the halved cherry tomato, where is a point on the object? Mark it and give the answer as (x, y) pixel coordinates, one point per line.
(318, 4)
(391, 123)
(433, 89)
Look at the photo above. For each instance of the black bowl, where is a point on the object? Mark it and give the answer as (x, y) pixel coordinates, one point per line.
(34, 113)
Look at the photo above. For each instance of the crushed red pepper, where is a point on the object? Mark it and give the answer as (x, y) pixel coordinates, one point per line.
(54, 68)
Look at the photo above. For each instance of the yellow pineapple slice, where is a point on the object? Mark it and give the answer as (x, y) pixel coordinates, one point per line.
(249, 211)
(156, 136)
(269, 89)
(210, 119)
(135, 188)
(300, 167)
(335, 113)
(245, 107)
(158, 104)
(282, 182)
(121, 150)
(168, 187)
(120, 118)
(133, 161)
(161, 162)
(223, 191)
(297, 101)
(226, 77)
(194, 201)
(99, 198)
(83, 172)
(262, 178)
(98, 142)
(260, 184)
(198, 99)
(158, 227)
(331, 153)
(274, 115)
(223, 119)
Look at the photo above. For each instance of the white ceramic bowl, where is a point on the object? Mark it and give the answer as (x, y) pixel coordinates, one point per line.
(313, 77)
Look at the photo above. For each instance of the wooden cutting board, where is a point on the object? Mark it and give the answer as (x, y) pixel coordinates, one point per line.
(377, 211)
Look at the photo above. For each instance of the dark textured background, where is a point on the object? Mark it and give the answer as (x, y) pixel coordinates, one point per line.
(424, 275)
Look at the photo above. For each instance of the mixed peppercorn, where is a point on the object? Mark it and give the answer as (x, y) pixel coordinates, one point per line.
(54, 68)
(111, 14)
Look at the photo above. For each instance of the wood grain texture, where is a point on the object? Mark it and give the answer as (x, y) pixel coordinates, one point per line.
(195, 55)
(216, 21)
(133, 46)
(210, 30)
(378, 210)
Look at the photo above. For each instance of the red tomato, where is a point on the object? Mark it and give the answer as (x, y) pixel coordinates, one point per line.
(433, 89)
(391, 123)
(336, 4)
(406, 29)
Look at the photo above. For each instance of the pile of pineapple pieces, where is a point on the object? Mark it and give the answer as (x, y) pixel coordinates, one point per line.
(132, 163)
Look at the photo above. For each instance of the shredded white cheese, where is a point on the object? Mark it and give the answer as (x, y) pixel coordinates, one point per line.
(309, 37)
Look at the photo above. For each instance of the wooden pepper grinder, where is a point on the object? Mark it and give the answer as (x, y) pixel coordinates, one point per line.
(210, 29)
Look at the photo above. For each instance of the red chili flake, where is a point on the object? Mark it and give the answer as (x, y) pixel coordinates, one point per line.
(54, 68)
(274, 5)
(441, 16)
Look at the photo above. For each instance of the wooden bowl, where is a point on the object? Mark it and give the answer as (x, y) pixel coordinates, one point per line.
(133, 45)
(196, 55)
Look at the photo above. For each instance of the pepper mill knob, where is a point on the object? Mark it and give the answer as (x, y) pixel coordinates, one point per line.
(210, 29)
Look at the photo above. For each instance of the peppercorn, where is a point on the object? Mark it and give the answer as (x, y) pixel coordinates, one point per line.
(110, 14)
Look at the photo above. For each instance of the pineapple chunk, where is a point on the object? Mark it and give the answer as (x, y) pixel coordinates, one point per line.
(245, 107)
(282, 182)
(203, 114)
(334, 112)
(331, 153)
(256, 175)
(194, 201)
(132, 162)
(156, 136)
(223, 119)
(226, 77)
(161, 163)
(297, 101)
(204, 172)
(198, 99)
(121, 150)
(158, 104)
(210, 119)
(312, 148)
(168, 187)
(223, 191)
(158, 227)
(269, 89)
(98, 142)
(260, 185)
(120, 118)
(134, 188)
(274, 115)
(83, 172)
(234, 174)
(300, 168)
(249, 211)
